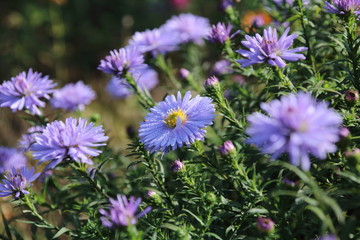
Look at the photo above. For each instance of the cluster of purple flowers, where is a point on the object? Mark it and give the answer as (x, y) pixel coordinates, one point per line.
(297, 125)
(11, 158)
(122, 212)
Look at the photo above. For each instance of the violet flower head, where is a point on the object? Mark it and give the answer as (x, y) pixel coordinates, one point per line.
(122, 212)
(26, 91)
(156, 41)
(28, 138)
(328, 237)
(188, 28)
(265, 224)
(296, 125)
(176, 121)
(222, 67)
(123, 60)
(11, 158)
(74, 139)
(225, 4)
(211, 82)
(342, 7)
(270, 49)
(17, 181)
(177, 166)
(227, 147)
(73, 96)
(220, 33)
(146, 79)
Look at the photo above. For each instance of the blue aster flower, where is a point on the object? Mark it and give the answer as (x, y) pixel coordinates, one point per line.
(176, 121)
(146, 79)
(73, 139)
(124, 60)
(73, 96)
(156, 41)
(342, 7)
(28, 138)
(188, 28)
(26, 91)
(17, 181)
(270, 49)
(296, 125)
(11, 158)
(122, 212)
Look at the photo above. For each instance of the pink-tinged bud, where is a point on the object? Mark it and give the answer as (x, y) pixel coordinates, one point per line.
(265, 224)
(180, 4)
(344, 132)
(150, 193)
(351, 96)
(177, 166)
(225, 4)
(183, 73)
(289, 182)
(211, 81)
(227, 147)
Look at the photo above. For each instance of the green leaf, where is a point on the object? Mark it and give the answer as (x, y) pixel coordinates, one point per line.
(196, 217)
(61, 232)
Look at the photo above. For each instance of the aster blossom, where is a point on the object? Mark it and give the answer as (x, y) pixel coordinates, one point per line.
(146, 79)
(11, 158)
(297, 125)
(188, 27)
(119, 62)
(28, 138)
(73, 96)
(73, 139)
(270, 49)
(176, 121)
(156, 41)
(17, 181)
(122, 212)
(26, 91)
(220, 33)
(343, 6)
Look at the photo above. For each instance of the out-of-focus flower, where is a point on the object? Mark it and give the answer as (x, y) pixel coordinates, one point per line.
(344, 132)
(289, 182)
(297, 125)
(177, 166)
(73, 97)
(290, 2)
(122, 212)
(188, 28)
(122, 61)
(220, 33)
(26, 91)
(328, 237)
(227, 147)
(176, 121)
(221, 67)
(180, 4)
(224, 4)
(265, 224)
(17, 181)
(183, 73)
(342, 7)
(211, 81)
(270, 49)
(146, 79)
(74, 139)
(28, 138)
(11, 158)
(156, 41)
(255, 19)
(351, 96)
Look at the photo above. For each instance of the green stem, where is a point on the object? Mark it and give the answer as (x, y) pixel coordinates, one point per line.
(167, 68)
(144, 98)
(284, 79)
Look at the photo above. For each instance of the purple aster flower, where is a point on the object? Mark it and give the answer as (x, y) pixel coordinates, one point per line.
(343, 6)
(351, 96)
(227, 148)
(270, 49)
(156, 41)
(28, 139)
(11, 158)
(188, 28)
(220, 33)
(17, 181)
(73, 139)
(146, 79)
(224, 4)
(175, 122)
(211, 82)
(222, 67)
(73, 96)
(297, 125)
(177, 166)
(265, 224)
(122, 212)
(26, 90)
(123, 60)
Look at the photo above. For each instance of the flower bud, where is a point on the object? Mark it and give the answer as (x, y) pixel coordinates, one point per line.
(351, 96)
(210, 198)
(353, 158)
(183, 73)
(265, 225)
(227, 148)
(154, 196)
(344, 140)
(177, 166)
(211, 81)
(225, 4)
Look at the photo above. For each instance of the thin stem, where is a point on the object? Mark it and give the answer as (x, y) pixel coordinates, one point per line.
(145, 99)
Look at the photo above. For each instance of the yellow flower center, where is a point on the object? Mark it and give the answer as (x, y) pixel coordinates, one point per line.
(173, 116)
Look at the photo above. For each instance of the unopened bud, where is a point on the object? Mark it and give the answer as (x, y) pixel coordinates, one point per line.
(211, 81)
(351, 96)
(183, 73)
(227, 147)
(265, 224)
(177, 166)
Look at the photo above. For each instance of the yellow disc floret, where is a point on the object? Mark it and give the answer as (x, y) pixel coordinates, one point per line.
(173, 116)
